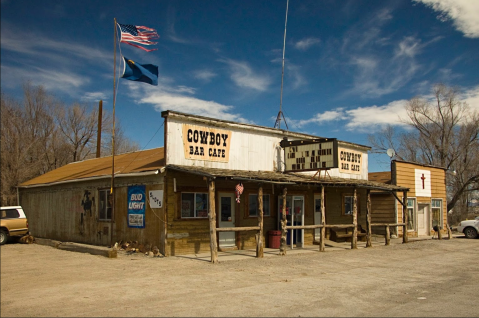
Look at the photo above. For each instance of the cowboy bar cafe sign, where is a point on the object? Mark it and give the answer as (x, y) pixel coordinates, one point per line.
(205, 143)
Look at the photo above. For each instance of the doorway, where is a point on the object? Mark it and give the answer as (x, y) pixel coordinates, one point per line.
(294, 216)
(226, 218)
(317, 216)
(423, 219)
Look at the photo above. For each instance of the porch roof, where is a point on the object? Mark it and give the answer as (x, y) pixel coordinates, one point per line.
(284, 178)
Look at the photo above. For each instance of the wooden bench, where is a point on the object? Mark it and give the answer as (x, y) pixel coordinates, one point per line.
(345, 235)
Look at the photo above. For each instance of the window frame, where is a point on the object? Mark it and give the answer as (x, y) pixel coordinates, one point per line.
(103, 211)
(195, 211)
(257, 208)
(414, 214)
(343, 204)
(440, 208)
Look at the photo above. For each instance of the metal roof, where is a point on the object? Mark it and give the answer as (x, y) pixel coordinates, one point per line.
(128, 163)
(284, 178)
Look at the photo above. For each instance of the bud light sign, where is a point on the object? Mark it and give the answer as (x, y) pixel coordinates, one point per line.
(136, 206)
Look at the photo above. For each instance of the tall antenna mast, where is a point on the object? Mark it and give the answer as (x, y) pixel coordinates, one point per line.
(280, 114)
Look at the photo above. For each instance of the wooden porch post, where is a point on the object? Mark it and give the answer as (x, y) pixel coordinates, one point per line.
(212, 219)
(354, 238)
(259, 241)
(404, 218)
(323, 222)
(388, 235)
(282, 247)
(368, 219)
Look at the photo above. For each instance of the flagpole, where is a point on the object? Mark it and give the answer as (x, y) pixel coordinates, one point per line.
(113, 137)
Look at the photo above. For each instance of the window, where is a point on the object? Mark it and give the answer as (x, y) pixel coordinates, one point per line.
(105, 204)
(253, 205)
(411, 208)
(10, 214)
(436, 212)
(194, 205)
(348, 201)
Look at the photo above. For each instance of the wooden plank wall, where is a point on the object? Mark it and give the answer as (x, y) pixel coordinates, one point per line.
(405, 176)
(382, 210)
(55, 212)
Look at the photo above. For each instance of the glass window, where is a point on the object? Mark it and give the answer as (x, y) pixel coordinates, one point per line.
(10, 214)
(411, 208)
(436, 212)
(194, 205)
(104, 205)
(253, 205)
(348, 201)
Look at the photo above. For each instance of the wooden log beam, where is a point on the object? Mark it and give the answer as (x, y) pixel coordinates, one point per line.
(304, 227)
(259, 246)
(405, 218)
(237, 229)
(339, 226)
(387, 224)
(323, 223)
(368, 219)
(354, 238)
(212, 221)
(282, 247)
(387, 236)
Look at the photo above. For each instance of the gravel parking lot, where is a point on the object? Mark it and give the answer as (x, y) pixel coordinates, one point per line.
(423, 278)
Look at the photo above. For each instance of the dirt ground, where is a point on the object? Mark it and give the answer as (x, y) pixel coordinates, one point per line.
(424, 278)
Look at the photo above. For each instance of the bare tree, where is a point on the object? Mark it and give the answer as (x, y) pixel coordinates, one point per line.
(446, 134)
(40, 133)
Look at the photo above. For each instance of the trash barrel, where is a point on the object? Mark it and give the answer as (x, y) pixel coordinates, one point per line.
(274, 239)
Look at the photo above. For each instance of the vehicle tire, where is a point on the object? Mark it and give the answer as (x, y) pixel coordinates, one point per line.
(3, 237)
(470, 232)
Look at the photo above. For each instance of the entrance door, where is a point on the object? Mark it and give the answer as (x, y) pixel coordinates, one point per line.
(422, 219)
(298, 212)
(226, 204)
(294, 216)
(317, 216)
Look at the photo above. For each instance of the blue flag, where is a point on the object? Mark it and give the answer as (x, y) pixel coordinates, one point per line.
(147, 73)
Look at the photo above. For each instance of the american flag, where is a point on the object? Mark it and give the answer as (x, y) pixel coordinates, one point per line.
(131, 34)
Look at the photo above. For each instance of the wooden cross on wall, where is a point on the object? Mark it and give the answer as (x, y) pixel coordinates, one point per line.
(423, 178)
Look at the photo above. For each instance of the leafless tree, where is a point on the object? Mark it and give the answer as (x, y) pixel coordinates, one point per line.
(445, 133)
(40, 133)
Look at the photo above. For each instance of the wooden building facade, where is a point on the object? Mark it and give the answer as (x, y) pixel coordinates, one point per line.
(426, 201)
(214, 185)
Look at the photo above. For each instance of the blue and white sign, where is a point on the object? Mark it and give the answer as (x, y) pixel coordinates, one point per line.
(136, 206)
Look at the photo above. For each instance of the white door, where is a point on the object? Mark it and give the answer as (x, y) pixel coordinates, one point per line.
(317, 216)
(226, 217)
(422, 219)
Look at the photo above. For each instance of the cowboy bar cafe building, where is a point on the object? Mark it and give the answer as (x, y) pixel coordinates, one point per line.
(215, 185)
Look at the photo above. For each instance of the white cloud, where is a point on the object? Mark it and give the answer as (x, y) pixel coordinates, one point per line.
(51, 80)
(94, 96)
(471, 97)
(244, 76)
(204, 75)
(306, 43)
(168, 97)
(366, 119)
(408, 47)
(320, 118)
(464, 14)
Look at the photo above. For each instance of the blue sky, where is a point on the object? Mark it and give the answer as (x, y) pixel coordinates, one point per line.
(350, 66)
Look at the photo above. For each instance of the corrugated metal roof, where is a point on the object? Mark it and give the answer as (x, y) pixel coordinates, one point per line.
(133, 162)
(284, 178)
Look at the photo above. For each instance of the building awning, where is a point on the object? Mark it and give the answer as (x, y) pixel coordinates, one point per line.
(284, 178)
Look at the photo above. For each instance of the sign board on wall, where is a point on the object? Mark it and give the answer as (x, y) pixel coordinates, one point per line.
(205, 143)
(156, 199)
(310, 154)
(350, 161)
(422, 182)
(136, 206)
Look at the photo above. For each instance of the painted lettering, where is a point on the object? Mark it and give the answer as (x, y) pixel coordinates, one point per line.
(224, 136)
(204, 137)
(190, 132)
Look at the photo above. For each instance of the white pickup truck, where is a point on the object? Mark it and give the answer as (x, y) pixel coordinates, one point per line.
(470, 228)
